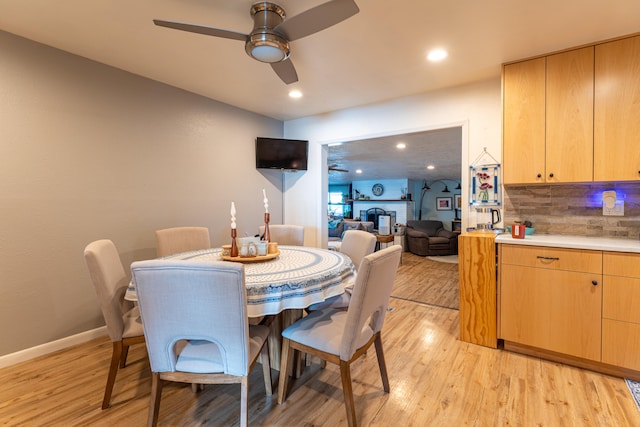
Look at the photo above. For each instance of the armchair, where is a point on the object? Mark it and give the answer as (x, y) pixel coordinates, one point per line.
(428, 237)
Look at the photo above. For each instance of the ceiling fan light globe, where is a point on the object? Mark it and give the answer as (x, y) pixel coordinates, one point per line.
(266, 47)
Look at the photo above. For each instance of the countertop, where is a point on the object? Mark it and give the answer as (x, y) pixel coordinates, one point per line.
(574, 242)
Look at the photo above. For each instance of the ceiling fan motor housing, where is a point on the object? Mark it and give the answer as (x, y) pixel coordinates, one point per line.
(264, 44)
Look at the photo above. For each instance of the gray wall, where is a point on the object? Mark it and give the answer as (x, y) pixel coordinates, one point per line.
(90, 152)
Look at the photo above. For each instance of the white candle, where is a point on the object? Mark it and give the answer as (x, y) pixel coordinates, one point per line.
(233, 215)
(266, 201)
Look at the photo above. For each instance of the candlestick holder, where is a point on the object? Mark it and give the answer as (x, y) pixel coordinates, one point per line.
(267, 236)
(234, 245)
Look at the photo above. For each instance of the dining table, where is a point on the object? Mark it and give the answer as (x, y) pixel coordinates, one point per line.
(294, 279)
(281, 287)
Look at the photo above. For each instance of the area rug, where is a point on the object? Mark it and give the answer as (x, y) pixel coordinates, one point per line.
(634, 388)
(450, 259)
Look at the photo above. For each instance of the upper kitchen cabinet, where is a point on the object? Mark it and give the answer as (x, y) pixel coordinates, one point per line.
(548, 119)
(523, 148)
(569, 116)
(617, 110)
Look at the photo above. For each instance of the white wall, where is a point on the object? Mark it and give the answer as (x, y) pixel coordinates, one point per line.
(476, 107)
(90, 152)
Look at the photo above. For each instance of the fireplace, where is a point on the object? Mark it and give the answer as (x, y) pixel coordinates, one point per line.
(373, 214)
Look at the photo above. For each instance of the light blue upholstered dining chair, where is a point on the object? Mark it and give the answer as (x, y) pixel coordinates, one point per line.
(284, 234)
(121, 317)
(356, 244)
(195, 322)
(181, 239)
(341, 337)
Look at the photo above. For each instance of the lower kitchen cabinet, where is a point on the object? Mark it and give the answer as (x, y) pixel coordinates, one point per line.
(552, 309)
(551, 299)
(620, 314)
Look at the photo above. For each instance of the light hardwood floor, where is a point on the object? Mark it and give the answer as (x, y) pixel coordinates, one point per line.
(436, 380)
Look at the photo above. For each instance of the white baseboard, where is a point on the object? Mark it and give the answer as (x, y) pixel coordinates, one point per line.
(50, 347)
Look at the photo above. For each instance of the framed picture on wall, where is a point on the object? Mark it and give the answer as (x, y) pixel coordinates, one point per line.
(444, 203)
(457, 201)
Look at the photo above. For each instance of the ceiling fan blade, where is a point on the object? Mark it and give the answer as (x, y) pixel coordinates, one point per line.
(286, 71)
(317, 19)
(201, 29)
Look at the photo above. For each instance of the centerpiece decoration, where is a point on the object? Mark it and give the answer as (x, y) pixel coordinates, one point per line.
(234, 246)
(267, 216)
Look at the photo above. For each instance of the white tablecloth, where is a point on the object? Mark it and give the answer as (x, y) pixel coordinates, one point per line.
(298, 277)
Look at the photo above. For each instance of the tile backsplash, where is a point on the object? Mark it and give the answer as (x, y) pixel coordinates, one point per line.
(574, 209)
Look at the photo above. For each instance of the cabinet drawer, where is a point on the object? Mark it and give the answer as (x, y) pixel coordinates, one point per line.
(621, 344)
(621, 264)
(552, 258)
(621, 298)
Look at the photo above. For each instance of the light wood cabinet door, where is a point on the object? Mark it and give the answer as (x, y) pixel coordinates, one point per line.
(553, 310)
(620, 314)
(569, 116)
(621, 344)
(617, 110)
(523, 151)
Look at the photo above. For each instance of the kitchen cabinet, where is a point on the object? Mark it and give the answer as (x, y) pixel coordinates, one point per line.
(573, 116)
(551, 299)
(617, 110)
(548, 118)
(620, 314)
(523, 151)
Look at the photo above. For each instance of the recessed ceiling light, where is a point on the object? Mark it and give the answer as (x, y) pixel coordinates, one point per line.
(401, 146)
(295, 94)
(431, 167)
(358, 170)
(437, 55)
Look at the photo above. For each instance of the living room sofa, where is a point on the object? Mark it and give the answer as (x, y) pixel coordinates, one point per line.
(428, 237)
(337, 227)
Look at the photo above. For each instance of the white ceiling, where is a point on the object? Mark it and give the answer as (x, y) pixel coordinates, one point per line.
(379, 158)
(376, 55)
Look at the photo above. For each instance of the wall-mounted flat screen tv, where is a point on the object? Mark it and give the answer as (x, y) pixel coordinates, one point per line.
(276, 153)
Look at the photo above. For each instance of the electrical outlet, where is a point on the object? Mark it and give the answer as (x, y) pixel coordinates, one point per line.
(616, 210)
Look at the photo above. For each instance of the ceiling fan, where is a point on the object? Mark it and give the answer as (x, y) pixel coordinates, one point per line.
(335, 168)
(269, 39)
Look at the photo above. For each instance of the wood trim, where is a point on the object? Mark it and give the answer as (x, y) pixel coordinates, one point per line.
(572, 360)
(596, 43)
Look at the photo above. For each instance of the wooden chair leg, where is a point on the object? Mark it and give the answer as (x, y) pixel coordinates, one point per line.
(113, 371)
(154, 403)
(123, 356)
(266, 368)
(244, 397)
(347, 390)
(381, 363)
(298, 355)
(285, 368)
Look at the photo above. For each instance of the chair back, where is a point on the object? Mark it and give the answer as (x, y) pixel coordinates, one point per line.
(288, 235)
(110, 282)
(193, 300)
(181, 239)
(370, 298)
(357, 244)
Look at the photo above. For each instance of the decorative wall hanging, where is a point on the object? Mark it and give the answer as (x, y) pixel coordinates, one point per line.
(484, 179)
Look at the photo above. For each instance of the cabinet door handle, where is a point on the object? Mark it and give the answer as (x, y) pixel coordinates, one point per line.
(540, 175)
(551, 175)
(548, 258)
(594, 282)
